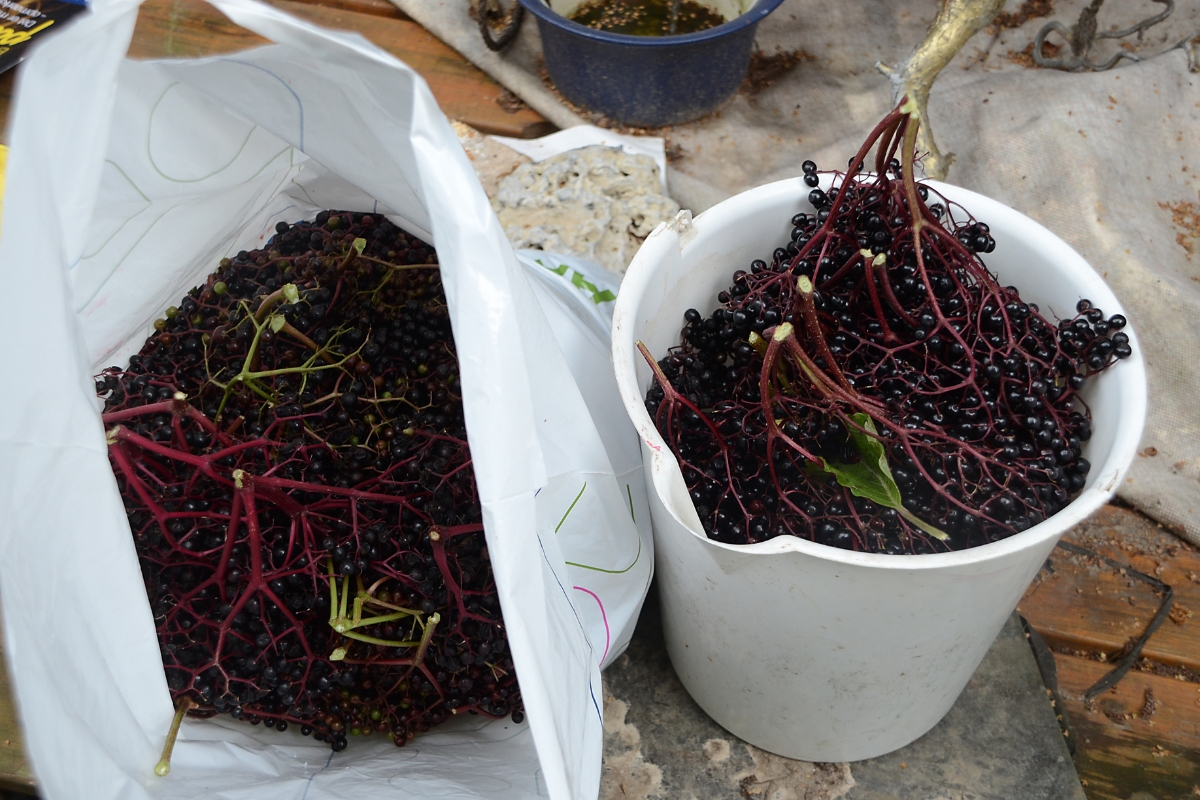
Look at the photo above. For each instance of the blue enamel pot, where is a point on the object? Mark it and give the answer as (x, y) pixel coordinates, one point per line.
(647, 80)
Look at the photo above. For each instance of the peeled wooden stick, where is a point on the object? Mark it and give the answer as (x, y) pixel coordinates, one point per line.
(955, 23)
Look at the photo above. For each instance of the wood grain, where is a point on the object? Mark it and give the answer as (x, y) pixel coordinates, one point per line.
(1141, 735)
(192, 28)
(1085, 604)
(380, 8)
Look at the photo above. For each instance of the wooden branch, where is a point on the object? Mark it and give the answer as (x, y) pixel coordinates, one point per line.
(956, 22)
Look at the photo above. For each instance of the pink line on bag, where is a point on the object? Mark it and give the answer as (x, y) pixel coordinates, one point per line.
(604, 616)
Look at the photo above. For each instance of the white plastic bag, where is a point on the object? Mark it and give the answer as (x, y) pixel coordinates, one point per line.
(127, 182)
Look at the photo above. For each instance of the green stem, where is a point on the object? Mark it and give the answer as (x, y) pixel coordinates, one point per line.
(936, 533)
(341, 625)
(362, 637)
(164, 764)
(397, 267)
(426, 637)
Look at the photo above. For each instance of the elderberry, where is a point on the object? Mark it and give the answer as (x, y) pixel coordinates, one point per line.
(243, 610)
(972, 392)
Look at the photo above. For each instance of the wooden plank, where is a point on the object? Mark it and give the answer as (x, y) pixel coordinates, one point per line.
(1144, 733)
(1141, 735)
(6, 93)
(192, 28)
(380, 8)
(186, 29)
(15, 773)
(1085, 604)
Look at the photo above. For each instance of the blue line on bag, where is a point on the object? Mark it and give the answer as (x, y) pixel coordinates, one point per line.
(315, 774)
(578, 621)
(595, 705)
(299, 102)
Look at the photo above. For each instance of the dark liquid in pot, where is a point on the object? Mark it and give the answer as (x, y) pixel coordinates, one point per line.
(647, 17)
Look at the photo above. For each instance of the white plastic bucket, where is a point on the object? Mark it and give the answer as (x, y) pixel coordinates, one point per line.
(809, 651)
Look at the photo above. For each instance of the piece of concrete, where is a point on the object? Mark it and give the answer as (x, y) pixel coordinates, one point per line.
(595, 202)
(1000, 740)
(493, 161)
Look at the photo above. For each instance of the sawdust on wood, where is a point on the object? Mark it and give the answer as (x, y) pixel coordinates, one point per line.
(1149, 704)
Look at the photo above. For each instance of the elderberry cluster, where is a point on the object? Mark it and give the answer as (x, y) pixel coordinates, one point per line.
(971, 392)
(291, 451)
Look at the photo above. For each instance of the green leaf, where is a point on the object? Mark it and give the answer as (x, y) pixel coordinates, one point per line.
(360, 245)
(871, 478)
(276, 322)
(291, 293)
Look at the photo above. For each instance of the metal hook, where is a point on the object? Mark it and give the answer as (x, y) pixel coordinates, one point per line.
(488, 10)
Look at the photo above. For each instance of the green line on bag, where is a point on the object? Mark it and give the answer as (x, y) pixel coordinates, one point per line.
(172, 179)
(612, 571)
(571, 508)
(598, 296)
(629, 492)
(583, 284)
(129, 219)
(561, 269)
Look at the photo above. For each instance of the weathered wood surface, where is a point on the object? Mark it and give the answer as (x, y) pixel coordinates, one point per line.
(1085, 604)
(1143, 735)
